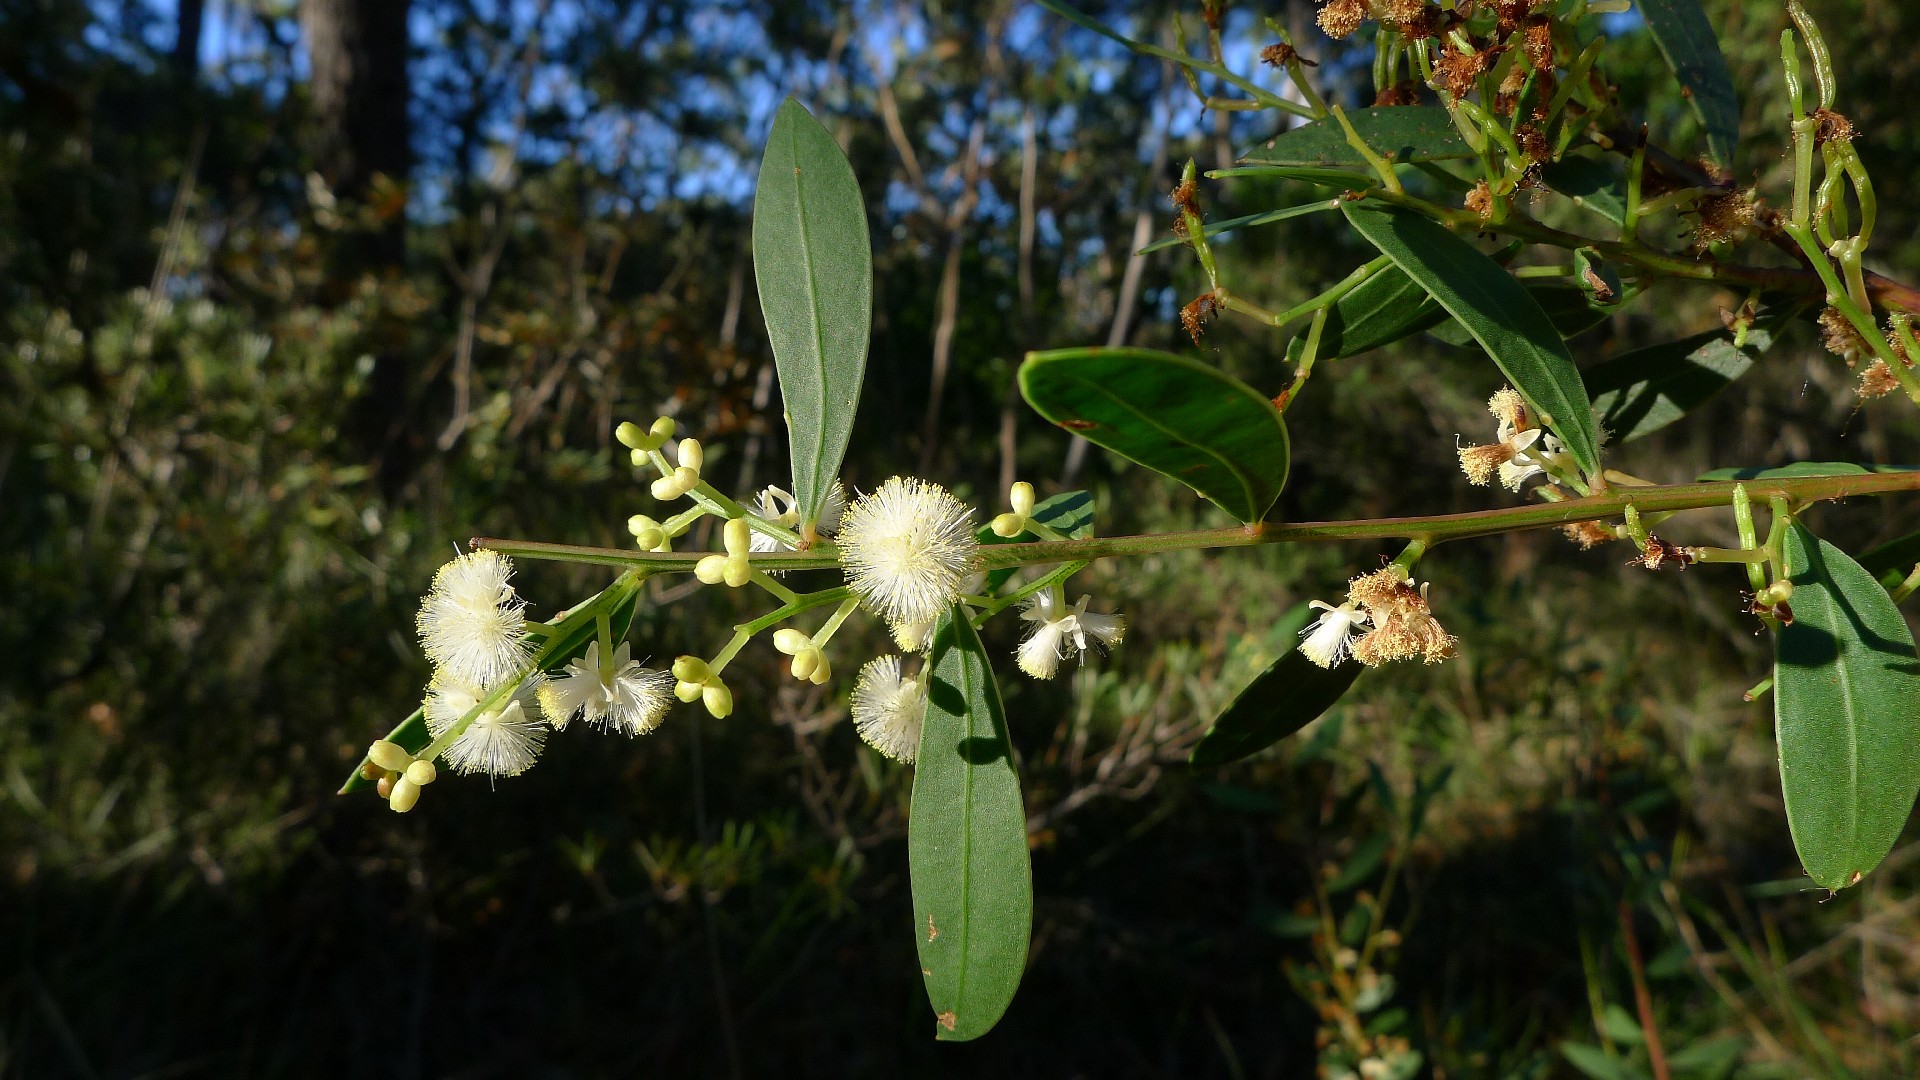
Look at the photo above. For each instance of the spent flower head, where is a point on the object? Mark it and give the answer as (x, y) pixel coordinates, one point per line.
(907, 547)
(1522, 450)
(1403, 624)
(888, 708)
(472, 625)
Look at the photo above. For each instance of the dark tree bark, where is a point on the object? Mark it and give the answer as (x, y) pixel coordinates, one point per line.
(358, 53)
(361, 131)
(186, 39)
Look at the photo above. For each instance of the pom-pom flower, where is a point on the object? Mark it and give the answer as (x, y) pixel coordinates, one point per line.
(907, 547)
(1061, 632)
(888, 708)
(471, 623)
(503, 741)
(622, 696)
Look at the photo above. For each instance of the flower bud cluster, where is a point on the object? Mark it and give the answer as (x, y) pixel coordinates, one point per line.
(695, 680)
(810, 662)
(732, 568)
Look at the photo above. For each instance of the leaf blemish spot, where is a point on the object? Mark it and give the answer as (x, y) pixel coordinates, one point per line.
(948, 1020)
(1078, 425)
(931, 931)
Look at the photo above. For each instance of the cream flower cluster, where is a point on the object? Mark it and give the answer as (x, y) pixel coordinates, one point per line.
(907, 548)
(1521, 450)
(1060, 631)
(1386, 618)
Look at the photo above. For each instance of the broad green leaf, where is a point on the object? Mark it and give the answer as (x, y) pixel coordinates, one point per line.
(1070, 513)
(1637, 393)
(1892, 561)
(1568, 307)
(1589, 184)
(967, 842)
(1845, 680)
(1399, 132)
(1379, 311)
(813, 264)
(1281, 700)
(1247, 222)
(1176, 416)
(1500, 313)
(1593, 1062)
(578, 629)
(1686, 39)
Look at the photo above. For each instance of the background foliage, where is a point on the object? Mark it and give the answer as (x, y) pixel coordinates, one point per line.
(262, 371)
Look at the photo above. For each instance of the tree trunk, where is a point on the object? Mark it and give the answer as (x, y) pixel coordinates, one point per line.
(358, 53)
(186, 39)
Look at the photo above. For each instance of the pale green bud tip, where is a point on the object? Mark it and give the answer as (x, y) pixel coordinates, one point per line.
(389, 756)
(640, 459)
(691, 454)
(1008, 526)
(421, 773)
(718, 699)
(691, 669)
(1021, 498)
(790, 641)
(405, 794)
(738, 571)
(630, 435)
(662, 429)
(688, 692)
(711, 570)
(738, 536)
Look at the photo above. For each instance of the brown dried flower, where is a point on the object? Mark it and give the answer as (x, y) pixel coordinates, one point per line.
(1724, 218)
(1458, 69)
(1840, 338)
(1480, 200)
(1197, 315)
(1340, 18)
(1538, 43)
(1832, 127)
(1659, 555)
(1877, 380)
(1588, 534)
(1403, 624)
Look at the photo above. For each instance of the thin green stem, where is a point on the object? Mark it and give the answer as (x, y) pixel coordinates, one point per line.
(1432, 530)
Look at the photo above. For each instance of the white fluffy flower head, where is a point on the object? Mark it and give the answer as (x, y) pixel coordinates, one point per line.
(888, 708)
(621, 696)
(471, 623)
(1061, 632)
(907, 547)
(503, 741)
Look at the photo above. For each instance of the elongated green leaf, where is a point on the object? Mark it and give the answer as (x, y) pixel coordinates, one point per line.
(1365, 860)
(1640, 392)
(1785, 472)
(1070, 513)
(575, 632)
(1379, 311)
(1178, 417)
(1233, 224)
(1686, 39)
(1502, 316)
(1568, 307)
(1594, 1063)
(967, 842)
(1892, 561)
(1589, 184)
(1399, 132)
(1845, 680)
(1290, 694)
(1336, 178)
(813, 263)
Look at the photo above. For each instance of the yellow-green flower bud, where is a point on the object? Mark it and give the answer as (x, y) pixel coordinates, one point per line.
(405, 794)
(718, 699)
(711, 570)
(691, 669)
(691, 456)
(421, 773)
(791, 641)
(389, 756)
(630, 435)
(737, 537)
(1021, 498)
(1008, 526)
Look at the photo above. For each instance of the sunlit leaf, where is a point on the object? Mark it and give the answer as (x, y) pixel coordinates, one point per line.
(1176, 416)
(1640, 392)
(1685, 37)
(1381, 310)
(813, 263)
(1786, 472)
(1568, 307)
(1500, 314)
(1290, 694)
(972, 880)
(1399, 132)
(1844, 686)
